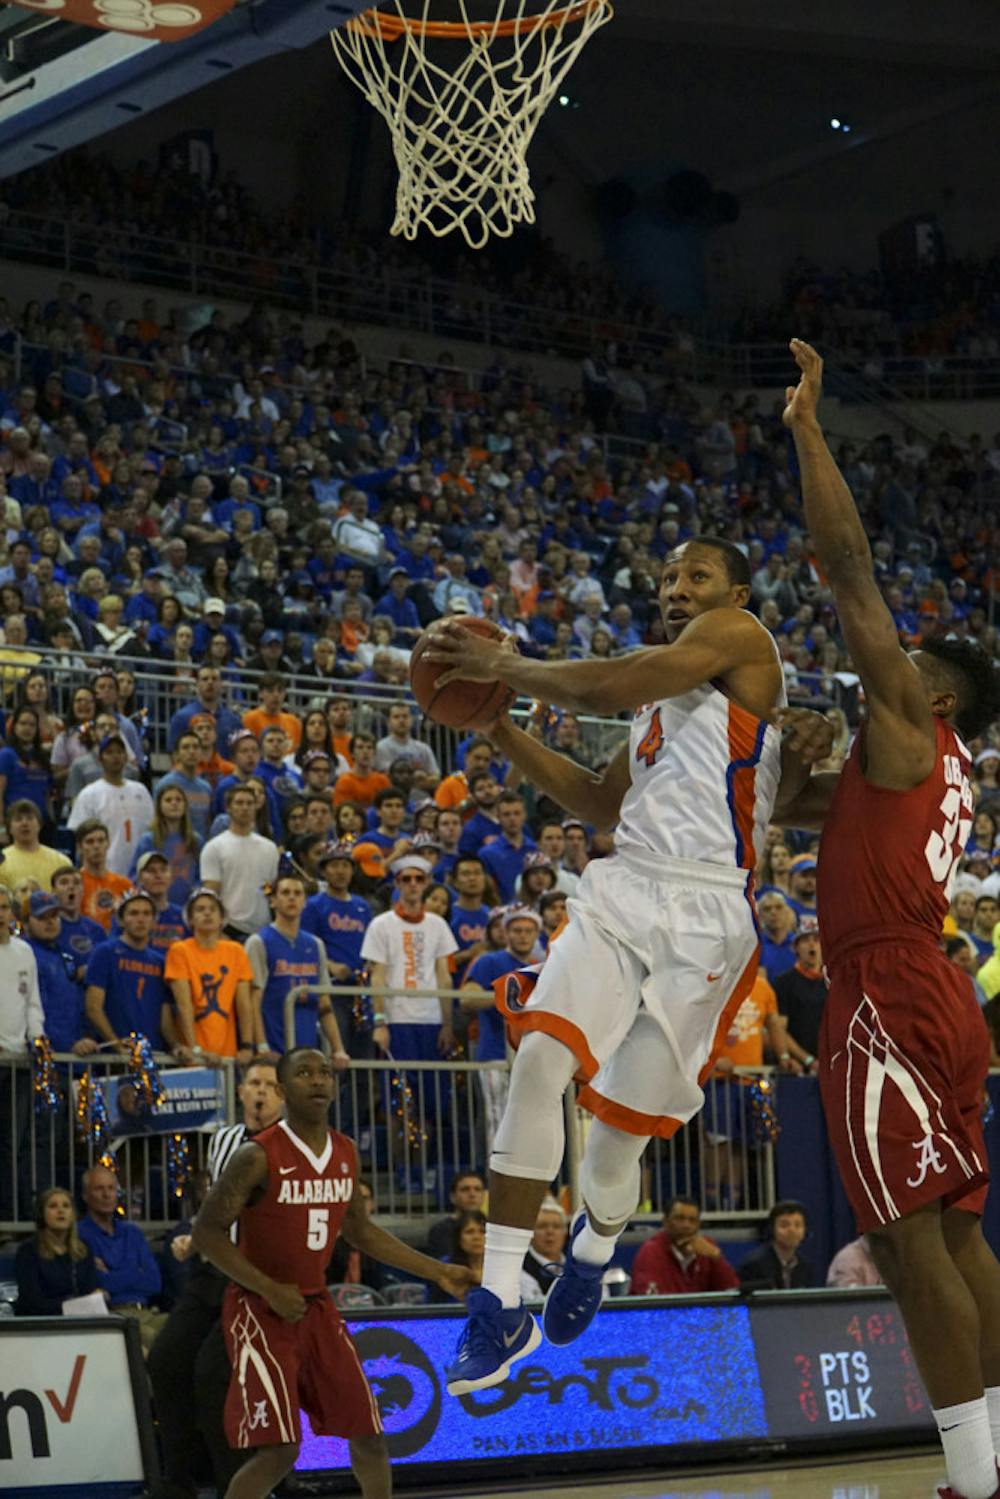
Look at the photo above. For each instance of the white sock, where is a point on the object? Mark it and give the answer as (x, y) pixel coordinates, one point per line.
(593, 1248)
(993, 1406)
(969, 1457)
(505, 1251)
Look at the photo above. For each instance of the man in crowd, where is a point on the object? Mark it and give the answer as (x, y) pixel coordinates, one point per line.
(284, 957)
(779, 1266)
(61, 991)
(363, 782)
(802, 886)
(152, 873)
(408, 948)
(21, 1022)
(126, 1269)
(102, 887)
(470, 914)
(453, 792)
(184, 773)
(522, 929)
(26, 857)
(207, 699)
(801, 994)
(78, 935)
(679, 1260)
(986, 916)
(210, 978)
(271, 713)
(467, 1193)
(546, 1252)
(504, 855)
(244, 751)
(340, 920)
(399, 743)
(777, 945)
(124, 807)
(238, 863)
(125, 986)
(482, 823)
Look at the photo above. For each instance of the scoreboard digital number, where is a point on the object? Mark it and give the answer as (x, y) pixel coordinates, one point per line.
(837, 1367)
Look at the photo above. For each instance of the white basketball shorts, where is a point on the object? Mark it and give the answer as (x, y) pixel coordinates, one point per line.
(642, 984)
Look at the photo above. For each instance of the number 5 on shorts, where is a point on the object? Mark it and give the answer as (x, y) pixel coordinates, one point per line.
(318, 1234)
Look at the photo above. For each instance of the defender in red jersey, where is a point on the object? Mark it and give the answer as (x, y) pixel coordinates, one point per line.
(291, 1191)
(904, 1051)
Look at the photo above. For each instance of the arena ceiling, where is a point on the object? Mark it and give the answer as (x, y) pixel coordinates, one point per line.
(741, 91)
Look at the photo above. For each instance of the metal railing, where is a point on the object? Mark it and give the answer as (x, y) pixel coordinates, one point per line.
(386, 296)
(416, 1125)
(163, 687)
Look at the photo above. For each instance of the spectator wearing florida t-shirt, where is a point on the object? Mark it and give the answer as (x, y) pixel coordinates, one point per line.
(470, 914)
(284, 957)
(210, 979)
(409, 948)
(125, 986)
(340, 920)
(521, 927)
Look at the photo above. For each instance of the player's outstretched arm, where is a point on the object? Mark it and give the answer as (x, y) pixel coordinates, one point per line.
(244, 1177)
(896, 699)
(803, 797)
(368, 1238)
(596, 799)
(711, 646)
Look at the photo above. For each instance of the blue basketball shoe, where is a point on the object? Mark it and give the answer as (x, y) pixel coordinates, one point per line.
(492, 1340)
(573, 1299)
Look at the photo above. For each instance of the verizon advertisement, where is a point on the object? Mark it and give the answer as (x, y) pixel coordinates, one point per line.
(67, 1409)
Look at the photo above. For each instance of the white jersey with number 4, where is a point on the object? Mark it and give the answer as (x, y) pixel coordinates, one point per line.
(705, 778)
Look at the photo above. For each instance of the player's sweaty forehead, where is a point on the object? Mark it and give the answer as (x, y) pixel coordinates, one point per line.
(688, 555)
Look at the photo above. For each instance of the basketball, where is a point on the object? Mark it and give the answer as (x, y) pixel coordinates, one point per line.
(459, 705)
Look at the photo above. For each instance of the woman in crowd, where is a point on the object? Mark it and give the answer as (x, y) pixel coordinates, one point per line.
(172, 835)
(468, 1242)
(24, 766)
(985, 831)
(68, 746)
(218, 583)
(54, 1265)
(32, 691)
(773, 869)
(437, 898)
(315, 736)
(348, 822)
(160, 639)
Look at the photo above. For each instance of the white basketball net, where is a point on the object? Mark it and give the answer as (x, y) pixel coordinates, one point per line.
(462, 120)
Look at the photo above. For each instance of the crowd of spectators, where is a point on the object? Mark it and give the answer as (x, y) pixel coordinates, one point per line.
(218, 548)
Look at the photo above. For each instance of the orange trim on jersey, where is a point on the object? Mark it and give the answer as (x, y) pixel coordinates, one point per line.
(741, 990)
(556, 1026)
(629, 1121)
(744, 728)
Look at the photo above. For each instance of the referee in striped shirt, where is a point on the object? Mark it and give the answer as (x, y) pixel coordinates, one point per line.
(190, 1354)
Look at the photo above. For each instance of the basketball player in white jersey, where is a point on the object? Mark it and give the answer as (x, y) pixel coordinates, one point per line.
(661, 946)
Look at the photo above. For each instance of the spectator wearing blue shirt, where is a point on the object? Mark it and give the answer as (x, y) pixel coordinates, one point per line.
(284, 957)
(18, 571)
(802, 887)
(186, 755)
(213, 623)
(504, 857)
(143, 608)
(395, 605)
(62, 995)
(777, 940)
(542, 625)
(244, 752)
(483, 826)
(78, 935)
(522, 928)
(340, 920)
(153, 877)
(24, 766)
(208, 699)
(239, 502)
(455, 589)
(72, 510)
(37, 486)
(126, 1269)
(470, 914)
(125, 985)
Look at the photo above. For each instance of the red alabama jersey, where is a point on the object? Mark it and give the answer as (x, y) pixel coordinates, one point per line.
(888, 859)
(290, 1232)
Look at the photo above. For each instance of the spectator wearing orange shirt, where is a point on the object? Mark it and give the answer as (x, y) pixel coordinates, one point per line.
(339, 713)
(210, 979)
(453, 793)
(726, 1114)
(270, 714)
(211, 765)
(361, 784)
(102, 888)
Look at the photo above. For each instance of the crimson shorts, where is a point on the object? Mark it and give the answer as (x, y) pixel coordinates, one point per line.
(904, 1054)
(279, 1367)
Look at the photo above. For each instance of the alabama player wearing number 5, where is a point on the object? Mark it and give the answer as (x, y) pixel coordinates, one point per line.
(291, 1191)
(904, 1050)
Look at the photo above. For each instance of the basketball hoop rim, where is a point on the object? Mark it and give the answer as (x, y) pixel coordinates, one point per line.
(377, 23)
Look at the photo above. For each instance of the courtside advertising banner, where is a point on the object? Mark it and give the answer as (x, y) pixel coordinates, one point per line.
(67, 1413)
(194, 1098)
